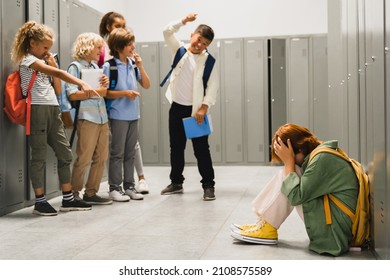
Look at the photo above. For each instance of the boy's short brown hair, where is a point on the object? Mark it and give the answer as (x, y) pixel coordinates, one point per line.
(118, 39)
(205, 31)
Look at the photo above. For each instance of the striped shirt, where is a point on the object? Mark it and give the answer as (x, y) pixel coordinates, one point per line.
(42, 92)
(92, 109)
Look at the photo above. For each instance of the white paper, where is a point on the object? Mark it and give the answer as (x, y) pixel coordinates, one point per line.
(92, 77)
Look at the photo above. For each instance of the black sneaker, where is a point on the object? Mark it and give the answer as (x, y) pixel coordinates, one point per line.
(173, 188)
(74, 205)
(97, 200)
(208, 194)
(44, 209)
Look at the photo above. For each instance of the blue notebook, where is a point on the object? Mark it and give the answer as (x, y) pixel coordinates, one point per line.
(194, 130)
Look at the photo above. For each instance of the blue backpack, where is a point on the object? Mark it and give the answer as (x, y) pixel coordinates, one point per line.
(114, 78)
(210, 61)
(70, 109)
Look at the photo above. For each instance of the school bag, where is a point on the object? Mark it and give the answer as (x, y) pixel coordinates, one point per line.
(17, 107)
(114, 78)
(361, 217)
(210, 61)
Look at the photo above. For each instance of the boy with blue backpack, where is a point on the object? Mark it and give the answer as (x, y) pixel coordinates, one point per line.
(192, 90)
(123, 112)
(91, 121)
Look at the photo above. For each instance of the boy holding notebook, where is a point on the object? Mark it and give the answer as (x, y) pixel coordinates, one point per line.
(189, 97)
(92, 121)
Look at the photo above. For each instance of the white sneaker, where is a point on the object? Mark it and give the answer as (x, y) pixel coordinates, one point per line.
(133, 194)
(143, 187)
(118, 196)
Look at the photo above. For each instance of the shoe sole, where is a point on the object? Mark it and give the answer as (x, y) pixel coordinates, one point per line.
(134, 197)
(236, 228)
(174, 192)
(137, 198)
(263, 241)
(208, 198)
(121, 200)
(68, 209)
(98, 203)
(35, 212)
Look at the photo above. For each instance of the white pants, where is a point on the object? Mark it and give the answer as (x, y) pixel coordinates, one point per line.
(272, 205)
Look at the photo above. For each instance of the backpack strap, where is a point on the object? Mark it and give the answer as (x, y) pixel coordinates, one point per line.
(135, 69)
(113, 81)
(95, 65)
(113, 74)
(179, 54)
(340, 153)
(210, 61)
(28, 114)
(76, 104)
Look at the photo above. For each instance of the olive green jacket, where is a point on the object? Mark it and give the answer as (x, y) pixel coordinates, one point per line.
(326, 174)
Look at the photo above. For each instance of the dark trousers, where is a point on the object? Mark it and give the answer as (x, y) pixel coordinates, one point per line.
(178, 140)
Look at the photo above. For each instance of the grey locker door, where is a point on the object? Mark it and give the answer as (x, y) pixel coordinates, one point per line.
(15, 180)
(215, 139)
(165, 61)
(376, 112)
(352, 81)
(387, 114)
(50, 18)
(337, 73)
(320, 86)
(233, 96)
(149, 100)
(277, 71)
(362, 82)
(35, 10)
(256, 106)
(298, 82)
(82, 19)
(64, 39)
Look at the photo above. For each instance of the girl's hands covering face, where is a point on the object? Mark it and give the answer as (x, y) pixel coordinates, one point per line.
(285, 153)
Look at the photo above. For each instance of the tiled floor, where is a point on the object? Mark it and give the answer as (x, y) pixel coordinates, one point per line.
(172, 227)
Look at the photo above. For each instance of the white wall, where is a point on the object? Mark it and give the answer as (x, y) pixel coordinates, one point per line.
(229, 19)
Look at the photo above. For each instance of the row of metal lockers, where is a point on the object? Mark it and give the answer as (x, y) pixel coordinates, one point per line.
(264, 82)
(359, 83)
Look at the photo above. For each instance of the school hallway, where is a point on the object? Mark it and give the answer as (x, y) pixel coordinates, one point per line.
(170, 227)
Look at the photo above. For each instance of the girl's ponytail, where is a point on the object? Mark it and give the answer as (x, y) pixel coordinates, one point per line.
(29, 31)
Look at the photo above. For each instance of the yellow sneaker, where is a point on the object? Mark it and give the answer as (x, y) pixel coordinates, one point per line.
(262, 233)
